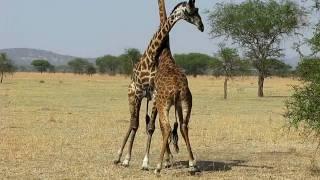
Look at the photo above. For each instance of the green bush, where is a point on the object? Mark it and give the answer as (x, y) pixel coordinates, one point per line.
(303, 107)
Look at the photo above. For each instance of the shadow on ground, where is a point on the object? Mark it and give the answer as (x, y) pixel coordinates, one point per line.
(276, 96)
(218, 165)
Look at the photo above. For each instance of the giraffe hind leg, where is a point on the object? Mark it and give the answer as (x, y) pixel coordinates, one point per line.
(169, 157)
(150, 127)
(165, 129)
(186, 107)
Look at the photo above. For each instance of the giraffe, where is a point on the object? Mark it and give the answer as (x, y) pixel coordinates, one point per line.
(166, 55)
(142, 80)
(171, 87)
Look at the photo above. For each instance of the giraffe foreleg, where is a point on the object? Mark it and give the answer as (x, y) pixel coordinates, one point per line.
(132, 104)
(117, 161)
(127, 159)
(186, 107)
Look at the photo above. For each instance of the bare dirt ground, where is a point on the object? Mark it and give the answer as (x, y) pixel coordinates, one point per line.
(64, 126)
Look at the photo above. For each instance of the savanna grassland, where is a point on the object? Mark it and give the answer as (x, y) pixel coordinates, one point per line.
(65, 126)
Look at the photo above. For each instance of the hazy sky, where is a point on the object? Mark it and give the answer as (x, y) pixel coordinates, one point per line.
(91, 28)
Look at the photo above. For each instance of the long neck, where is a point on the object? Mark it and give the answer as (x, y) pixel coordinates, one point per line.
(162, 11)
(159, 37)
(163, 18)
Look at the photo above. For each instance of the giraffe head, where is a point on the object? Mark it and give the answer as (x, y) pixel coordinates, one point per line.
(189, 12)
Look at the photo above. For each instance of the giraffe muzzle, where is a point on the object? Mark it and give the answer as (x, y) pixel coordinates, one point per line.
(201, 27)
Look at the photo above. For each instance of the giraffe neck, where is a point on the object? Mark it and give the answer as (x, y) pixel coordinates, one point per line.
(162, 11)
(156, 43)
(163, 18)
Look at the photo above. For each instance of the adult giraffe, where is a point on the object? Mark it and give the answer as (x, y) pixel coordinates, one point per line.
(171, 87)
(142, 81)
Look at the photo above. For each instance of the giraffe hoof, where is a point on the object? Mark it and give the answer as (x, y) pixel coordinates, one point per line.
(145, 168)
(167, 165)
(116, 162)
(194, 170)
(157, 172)
(125, 163)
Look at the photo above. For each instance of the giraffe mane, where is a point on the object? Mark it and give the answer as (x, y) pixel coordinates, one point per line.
(177, 6)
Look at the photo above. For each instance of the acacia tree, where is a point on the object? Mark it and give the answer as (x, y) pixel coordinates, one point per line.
(6, 66)
(78, 65)
(130, 57)
(102, 64)
(257, 26)
(41, 65)
(229, 59)
(90, 69)
(108, 64)
(194, 63)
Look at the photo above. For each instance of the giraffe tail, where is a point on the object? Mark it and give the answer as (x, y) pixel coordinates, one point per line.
(174, 133)
(175, 137)
(147, 117)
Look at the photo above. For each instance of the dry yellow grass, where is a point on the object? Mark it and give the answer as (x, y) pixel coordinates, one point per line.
(71, 126)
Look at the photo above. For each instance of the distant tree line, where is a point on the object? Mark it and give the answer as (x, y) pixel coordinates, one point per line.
(193, 64)
(108, 64)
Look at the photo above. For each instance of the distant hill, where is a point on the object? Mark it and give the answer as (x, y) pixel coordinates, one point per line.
(24, 56)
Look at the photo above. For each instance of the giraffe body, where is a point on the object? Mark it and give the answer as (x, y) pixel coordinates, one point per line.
(172, 89)
(142, 84)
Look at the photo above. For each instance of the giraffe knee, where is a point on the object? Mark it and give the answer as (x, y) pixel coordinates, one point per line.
(167, 128)
(183, 127)
(134, 125)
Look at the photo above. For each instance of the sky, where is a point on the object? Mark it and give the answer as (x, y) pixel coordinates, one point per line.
(92, 28)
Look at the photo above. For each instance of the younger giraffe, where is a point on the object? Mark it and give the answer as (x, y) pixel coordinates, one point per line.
(171, 87)
(142, 84)
(150, 125)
